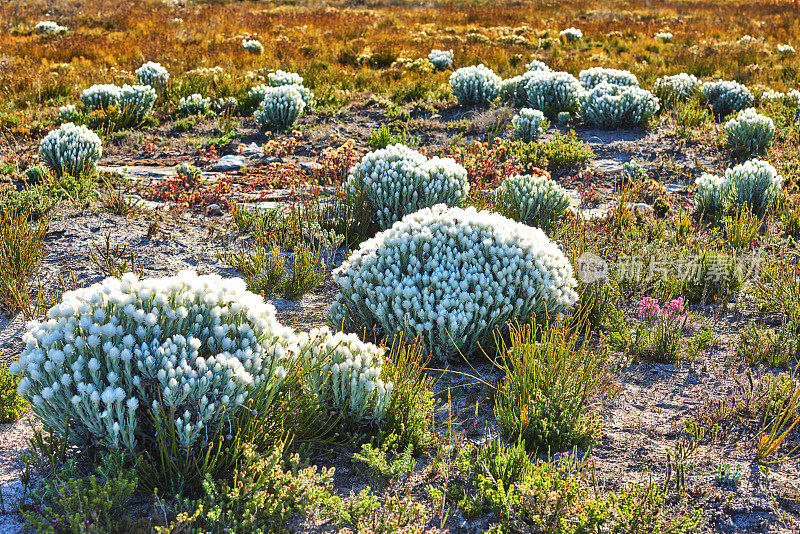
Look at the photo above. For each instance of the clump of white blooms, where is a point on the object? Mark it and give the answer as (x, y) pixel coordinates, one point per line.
(678, 88)
(529, 124)
(615, 106)
(441, 59)
(71, 150)
(535, 200)
(48, 27)
(475, 85)
(726, 97)
(749, 132)
(132, 103)
(419, 65)
(398, 180)
(754, 183)
(791, 99)
(194, 104)
(591, 78)
(346, 374)
(513, 90)
(632, 170)
(68, 113)
(253, 46)
(125, 352)
(571, 34)
(225, 105)
(280, 108)
(280, 78)
(664, 36)
(553, 92)
(786, 50)
(449, 276)
(154, 75)
(535, 65)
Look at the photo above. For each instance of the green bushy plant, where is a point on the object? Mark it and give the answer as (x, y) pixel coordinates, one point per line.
(12, 405)
(535, 200)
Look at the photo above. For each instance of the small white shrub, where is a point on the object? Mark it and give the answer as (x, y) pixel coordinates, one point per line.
(571, 35)
(450, 276)
(154, 75)
(553, 92)
(749, 132)
(280, 78)
(253, 46)
(225, 106)
(591, 78)
(398, 180)
(194, 104)
(71, 150)
(786, 50)
(632, 170)
(529, 124)
(678, 88)
(754, 183)
(281, 107)
(48, 27)
(725, 97)
(791, 99)
(713, 194)
(614, 106)
(535, 200)
(441, 59)
(513, 90)
(535, 65)
(68, 113)
(664, 36)
(475, 85)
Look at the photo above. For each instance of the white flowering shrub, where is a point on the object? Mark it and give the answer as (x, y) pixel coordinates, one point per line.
(571, 35)
(71, 150)
(632, 171)
(121, 355)
(754, 183)
(280, 78)
(664, 36)
(615, 106)
(441, 59)
(101, 96)
(68, 113)
(128, 104)
(225, 105)
(529, 124)
(725, 97)
(475, 85)
(346, 374)
(678, 88)
(591, 78)
(791, 99)
(194, 104)
(749, 132)
(450, 276)
(535, 65)
(786, 50)
(281, 107)
(253, 46)
(535, 200)
(154, 75)
(48, 27)
(398, 180)
(553, 92)
(513, 90)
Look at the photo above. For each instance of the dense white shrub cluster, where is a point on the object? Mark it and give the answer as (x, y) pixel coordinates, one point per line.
(749, 132)
(529, 124)
(754, 183)
(449, 276)
(553, 92)
(48, 27)
(615, 106)
(124, 352)
(71, 150)
(154, 75)
(535, 200)
(571, 34)
(68, 113)
(474, 85)
(513, 90)
(664, 36)
(280, 108)
(194, 104)
(346, 374)
(591, 78)
(418, 65)
(441, 59)
(786, 50)
(678, 88)
(792, 98)
(632, 170)
(535, 65)
(253, 46)
(725, 97)
(398, 180)
(281, 78)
